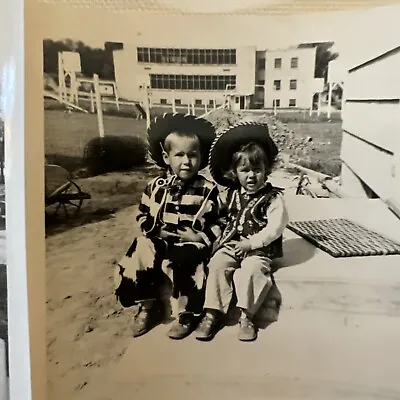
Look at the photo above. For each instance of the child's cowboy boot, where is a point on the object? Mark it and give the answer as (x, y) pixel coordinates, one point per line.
(208, 326)
(247, 330)
(183, 326)
(147, 316)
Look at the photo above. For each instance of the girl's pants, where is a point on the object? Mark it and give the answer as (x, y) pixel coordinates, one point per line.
(250, 279)
(140, 274)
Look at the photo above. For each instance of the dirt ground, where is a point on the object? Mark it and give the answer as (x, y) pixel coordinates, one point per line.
(86, 330)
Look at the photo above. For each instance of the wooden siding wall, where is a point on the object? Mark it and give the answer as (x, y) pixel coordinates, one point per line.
(371, 124)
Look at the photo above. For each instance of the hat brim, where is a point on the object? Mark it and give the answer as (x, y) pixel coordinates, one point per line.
(162, 126)
(230, 141)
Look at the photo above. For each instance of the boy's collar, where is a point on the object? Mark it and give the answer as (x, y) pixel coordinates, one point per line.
(174, 179)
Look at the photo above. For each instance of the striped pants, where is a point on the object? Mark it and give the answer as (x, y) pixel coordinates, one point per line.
(141, 273)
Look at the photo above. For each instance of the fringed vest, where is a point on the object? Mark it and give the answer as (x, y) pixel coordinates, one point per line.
(247, 215)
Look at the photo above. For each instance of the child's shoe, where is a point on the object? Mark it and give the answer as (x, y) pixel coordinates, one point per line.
(208, 327)
(183, 326)
(148, 316)
(247, 330)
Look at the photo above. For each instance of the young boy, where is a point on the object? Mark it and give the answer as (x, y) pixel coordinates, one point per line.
(241, 159)
(178, 214)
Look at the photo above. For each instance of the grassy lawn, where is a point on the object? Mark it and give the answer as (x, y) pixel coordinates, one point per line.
(324, 154)
(66, 135)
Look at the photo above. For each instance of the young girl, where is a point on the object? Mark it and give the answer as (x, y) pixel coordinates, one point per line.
(241, 159)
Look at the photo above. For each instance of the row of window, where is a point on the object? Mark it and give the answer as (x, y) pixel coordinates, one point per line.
(278, 84)
(192, 82)
(186, 56)
(294, 63)
(292, 84)
(277, 103)
(197, 102)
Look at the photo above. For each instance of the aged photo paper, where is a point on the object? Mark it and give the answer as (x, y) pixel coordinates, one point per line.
(221, 198)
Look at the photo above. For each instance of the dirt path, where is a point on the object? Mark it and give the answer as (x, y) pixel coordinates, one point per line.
(86, 329)
(87, 332)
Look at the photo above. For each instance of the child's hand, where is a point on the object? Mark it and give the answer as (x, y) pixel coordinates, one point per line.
(189, 235)
(242, 247)
(165, 234)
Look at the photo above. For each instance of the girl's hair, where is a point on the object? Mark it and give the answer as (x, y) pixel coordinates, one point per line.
(253, 154)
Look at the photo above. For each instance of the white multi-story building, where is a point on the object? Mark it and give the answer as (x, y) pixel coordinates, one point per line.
(185, 75)
(286, 77)
(204, 76)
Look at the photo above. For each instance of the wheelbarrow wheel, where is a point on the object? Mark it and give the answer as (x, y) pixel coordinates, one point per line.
(68, 202)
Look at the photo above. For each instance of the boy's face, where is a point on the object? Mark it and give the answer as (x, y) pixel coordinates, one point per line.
(183, 156)
(251, 178)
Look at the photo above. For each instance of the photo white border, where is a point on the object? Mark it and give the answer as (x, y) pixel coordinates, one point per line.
(24, 177)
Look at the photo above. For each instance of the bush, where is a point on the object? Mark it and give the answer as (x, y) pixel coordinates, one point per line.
(114, 153)
(70, 163)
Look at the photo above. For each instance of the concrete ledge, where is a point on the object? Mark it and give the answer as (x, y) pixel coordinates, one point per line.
(296, 358)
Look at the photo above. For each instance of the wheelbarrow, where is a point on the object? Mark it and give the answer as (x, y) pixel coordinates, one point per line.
(62, 194)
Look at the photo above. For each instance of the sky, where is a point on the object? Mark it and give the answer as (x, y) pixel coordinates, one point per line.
(358, 35)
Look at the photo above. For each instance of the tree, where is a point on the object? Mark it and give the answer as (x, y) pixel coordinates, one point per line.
(323, 57)
(50, 55)
(93, 60)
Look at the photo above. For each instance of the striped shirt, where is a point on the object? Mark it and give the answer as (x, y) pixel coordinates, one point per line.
(171, 203)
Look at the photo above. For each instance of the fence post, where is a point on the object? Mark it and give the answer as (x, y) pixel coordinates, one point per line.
(98, 105)
(61, 77)
(92, 110)
(330, 88)
(173, 101)
(147, 105)
(116, 96)
(319, 104)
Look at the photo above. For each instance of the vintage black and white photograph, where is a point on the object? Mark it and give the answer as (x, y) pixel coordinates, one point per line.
(222, 201)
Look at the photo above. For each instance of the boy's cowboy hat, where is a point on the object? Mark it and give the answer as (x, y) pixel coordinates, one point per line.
(162, 126)
(231, 140)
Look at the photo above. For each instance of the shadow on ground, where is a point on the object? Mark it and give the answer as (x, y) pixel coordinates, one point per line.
(55, 225)
(297, 251)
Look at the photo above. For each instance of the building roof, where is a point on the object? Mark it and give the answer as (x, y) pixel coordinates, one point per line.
(312, 45)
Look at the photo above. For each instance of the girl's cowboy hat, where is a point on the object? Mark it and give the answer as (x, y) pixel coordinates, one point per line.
(162, 126)
(231, 140)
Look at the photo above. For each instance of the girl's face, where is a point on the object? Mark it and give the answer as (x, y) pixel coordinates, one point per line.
(250, 177)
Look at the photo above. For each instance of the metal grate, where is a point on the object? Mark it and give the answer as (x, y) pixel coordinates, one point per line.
(344, 238)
